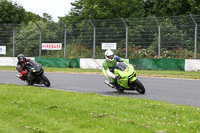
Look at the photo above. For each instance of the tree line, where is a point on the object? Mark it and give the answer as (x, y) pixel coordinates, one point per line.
(100, 9)
(111, 9)
(27, 32)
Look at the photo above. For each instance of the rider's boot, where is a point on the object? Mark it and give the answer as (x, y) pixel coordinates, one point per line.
(112, 85)
(22, 78)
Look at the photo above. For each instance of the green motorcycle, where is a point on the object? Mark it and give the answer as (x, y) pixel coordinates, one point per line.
(127, 80)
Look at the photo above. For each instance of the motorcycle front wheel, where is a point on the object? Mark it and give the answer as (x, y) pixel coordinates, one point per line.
(138, 86)
(46, 82)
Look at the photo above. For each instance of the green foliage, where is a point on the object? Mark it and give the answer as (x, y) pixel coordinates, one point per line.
(10, 13)
(27, 37)
(141, 31)
(150, 53)
(101, 9)
(77, 51)
(110, 9)
(194, 6)
(172, 7)
(139, 53)
(170, 33)
(142, 43)
(15, 14)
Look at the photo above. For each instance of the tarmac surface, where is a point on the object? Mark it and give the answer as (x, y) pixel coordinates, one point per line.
(171, 90)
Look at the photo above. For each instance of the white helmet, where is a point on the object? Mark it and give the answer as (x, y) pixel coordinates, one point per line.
(109, 55)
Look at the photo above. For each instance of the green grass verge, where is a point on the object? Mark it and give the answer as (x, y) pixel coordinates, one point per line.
(153, 73)
(34, 109)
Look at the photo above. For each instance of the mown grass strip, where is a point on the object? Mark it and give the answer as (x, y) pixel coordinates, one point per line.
(152, 73)
(34, 109)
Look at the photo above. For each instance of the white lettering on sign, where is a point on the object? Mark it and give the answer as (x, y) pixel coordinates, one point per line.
(112, 46)
(51, 46)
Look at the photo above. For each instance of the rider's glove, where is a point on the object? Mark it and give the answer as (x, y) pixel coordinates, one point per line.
(24, 72)
(118, 77)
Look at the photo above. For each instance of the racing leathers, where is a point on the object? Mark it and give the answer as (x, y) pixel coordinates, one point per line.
(23, 69)
(109, 68)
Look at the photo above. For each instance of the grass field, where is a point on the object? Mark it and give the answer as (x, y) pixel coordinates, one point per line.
(34, 109)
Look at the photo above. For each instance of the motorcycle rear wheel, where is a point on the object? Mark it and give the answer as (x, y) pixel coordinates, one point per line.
(138, 86)
(30, 83)
(46, 82)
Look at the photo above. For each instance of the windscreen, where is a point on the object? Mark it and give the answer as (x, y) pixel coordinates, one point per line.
(121, 66)
(34, 65)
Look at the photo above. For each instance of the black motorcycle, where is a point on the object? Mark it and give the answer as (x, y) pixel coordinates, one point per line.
(36, 74)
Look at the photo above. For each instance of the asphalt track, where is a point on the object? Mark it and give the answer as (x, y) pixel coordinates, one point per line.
(177, 91)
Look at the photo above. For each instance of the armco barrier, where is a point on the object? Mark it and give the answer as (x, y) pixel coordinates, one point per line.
(158, 64)
(192, 65)
(10, 61)
(88, 63)
(58, 62)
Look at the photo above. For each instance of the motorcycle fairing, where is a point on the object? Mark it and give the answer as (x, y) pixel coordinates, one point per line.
(127, 73)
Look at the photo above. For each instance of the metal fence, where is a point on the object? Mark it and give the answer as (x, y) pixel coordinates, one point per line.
(153, 37)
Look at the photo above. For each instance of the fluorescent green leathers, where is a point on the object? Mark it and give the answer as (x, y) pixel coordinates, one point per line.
(127, 80)
(127, 73)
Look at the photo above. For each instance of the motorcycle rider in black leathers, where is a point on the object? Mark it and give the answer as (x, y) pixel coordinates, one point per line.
(22, 66)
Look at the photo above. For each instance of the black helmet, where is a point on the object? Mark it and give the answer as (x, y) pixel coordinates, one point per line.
(21, 58)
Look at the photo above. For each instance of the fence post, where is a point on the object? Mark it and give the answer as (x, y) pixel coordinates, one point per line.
(40, 41)
(195, 40)
(157, 22)
(65, 35)
(13, 39)
(94, 38)
(126, 36)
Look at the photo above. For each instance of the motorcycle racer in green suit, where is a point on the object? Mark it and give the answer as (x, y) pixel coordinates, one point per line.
(121, 74)
(109, 65)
